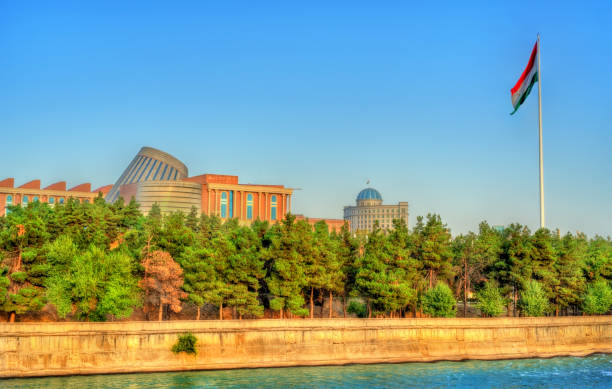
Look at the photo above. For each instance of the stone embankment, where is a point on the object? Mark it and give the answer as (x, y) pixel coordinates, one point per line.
(46, 349)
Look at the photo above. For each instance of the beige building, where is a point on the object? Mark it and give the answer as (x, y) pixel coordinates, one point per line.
(370, 208)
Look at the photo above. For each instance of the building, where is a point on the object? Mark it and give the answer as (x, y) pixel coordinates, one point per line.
(370, 208)
(332, 224)
(52, 194)
(154, 176)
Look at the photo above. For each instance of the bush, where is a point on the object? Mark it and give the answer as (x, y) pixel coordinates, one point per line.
(533, 301)
(439, 301)
(358, 309)
(490, 300)
(185, 343)
(597, 299)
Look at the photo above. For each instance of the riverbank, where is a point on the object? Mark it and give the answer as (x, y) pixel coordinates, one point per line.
(47, 349)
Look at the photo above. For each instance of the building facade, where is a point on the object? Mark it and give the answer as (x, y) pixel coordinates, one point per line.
(369, 208)
(52, 194)
(154, 176)
(334, 225)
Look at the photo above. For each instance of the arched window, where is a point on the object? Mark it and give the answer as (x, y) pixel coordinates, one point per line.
(24, 201)
(51, 200)
(273, 208)
(86, 201)
(35, 199)
(223, 205)
(61, 200)
(249, 206)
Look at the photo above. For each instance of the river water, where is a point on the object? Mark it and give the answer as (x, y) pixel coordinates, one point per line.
(590, 372)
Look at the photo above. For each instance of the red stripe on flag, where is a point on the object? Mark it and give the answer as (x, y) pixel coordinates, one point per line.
(530, 65)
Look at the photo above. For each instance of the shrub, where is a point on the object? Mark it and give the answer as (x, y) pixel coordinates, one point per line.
(358, 309)
(490, 300)
(533, 301)
(185, 343)
(597, 299)
(439, 301)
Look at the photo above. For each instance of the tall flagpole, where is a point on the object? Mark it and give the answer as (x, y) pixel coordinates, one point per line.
(542, 217)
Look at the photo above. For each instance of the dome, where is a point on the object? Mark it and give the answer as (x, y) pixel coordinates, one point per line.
(369, 194)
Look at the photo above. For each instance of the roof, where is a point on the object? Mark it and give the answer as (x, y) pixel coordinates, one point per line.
(369, 194)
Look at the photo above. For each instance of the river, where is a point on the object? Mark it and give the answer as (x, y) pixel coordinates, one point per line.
(594, 371)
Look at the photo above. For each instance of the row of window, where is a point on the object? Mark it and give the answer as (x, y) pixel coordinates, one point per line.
(25, 200)
(249, 206)
(379, 212)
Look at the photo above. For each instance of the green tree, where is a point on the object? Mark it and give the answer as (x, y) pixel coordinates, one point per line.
(533, 300)
(286, 275)
(597, 299)
(513, 267)
(432, 240)
(490, 300)
(570, 284)
(439, 301)
(94, 285)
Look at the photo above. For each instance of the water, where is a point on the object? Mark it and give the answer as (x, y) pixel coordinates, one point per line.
(590, 372)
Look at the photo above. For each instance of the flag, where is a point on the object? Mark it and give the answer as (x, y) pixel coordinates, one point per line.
(524, 84)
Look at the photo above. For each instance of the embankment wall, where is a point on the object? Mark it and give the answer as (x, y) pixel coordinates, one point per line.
(44, 349)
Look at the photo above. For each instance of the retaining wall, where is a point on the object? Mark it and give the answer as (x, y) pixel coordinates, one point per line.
(44, 349)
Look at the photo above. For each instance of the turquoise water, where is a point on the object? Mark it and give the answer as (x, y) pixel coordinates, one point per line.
(591, 372)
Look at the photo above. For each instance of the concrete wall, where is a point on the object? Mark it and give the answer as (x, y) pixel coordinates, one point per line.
(38, 349)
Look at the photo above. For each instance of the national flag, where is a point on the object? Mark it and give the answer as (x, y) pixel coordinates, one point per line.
(529, 77)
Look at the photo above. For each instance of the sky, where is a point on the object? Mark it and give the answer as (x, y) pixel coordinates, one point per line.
(321, 97)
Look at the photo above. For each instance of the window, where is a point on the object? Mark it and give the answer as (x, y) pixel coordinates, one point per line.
(273, 208)
(35, 199)
(86, 201)
(223, 205)
(9, 202)
(24, 201)
(51, 200)
(249, 206)
(61, 200)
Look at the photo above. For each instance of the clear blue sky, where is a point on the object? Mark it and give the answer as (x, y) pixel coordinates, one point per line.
(320, 97)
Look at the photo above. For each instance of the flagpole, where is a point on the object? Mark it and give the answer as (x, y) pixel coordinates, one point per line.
(542, 217)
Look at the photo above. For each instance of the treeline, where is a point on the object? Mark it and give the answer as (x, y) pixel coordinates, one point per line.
(102, 261)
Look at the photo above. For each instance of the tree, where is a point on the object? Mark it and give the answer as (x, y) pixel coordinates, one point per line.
(93, 284)
(490, 300)
(202, 282)
(21, 241)
(567, 292)
(286, 275)
(432, 241)
(245, 269)
(513, 267)
(533, 300)
(162, 281)
(597, 299)
(347, 251)
(439, 301)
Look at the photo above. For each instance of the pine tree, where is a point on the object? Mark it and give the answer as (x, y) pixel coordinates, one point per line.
(286, 277)
(162, 281)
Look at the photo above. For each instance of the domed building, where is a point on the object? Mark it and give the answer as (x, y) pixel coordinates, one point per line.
(370, 208)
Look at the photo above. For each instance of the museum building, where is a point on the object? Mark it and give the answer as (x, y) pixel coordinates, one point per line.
(154, 176)
(52, 194)
(369, 208)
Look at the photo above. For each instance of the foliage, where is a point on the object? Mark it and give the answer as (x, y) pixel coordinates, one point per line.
(597, 299)
(490, 300)
(439, 301)
(533, 300)
(162, 282)
(186, 343)
(102, 261)
(358, 309)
